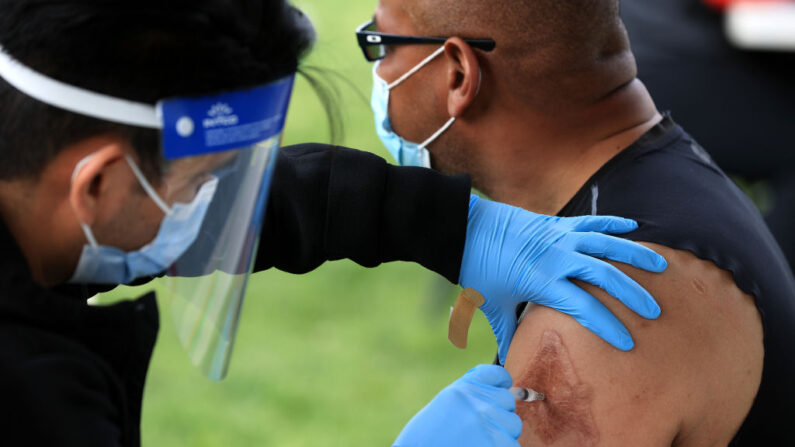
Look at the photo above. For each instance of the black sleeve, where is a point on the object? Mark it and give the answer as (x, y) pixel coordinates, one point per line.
(56, 401)
(330, 203)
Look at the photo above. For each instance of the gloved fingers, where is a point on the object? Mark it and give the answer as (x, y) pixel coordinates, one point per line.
(603, 224)
(593, 315)
(621, 250)
(508, 422)
(616, 283)
(493, 398)
(490, 375)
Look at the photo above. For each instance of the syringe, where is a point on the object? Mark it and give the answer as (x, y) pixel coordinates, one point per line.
(526, 394)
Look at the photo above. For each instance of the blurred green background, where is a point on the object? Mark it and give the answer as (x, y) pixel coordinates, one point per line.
(343, 356)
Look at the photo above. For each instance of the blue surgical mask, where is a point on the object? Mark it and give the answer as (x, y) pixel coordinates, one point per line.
(405, 152)
(100, 264)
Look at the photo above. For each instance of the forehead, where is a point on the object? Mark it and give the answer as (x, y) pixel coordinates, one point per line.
(189, 168)
(394, 17)
(201, 163)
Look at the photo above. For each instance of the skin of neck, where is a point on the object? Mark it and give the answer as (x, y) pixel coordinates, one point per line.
(539, 160)
(539, 130)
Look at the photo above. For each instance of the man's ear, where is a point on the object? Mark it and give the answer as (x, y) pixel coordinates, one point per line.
(93, 177)
(463, 76)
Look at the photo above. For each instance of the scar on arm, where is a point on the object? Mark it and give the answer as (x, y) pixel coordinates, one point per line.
(566, 411)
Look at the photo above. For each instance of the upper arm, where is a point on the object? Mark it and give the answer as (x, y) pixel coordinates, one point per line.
(691, 378)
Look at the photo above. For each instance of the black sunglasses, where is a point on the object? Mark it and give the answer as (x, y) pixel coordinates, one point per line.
(374, 44)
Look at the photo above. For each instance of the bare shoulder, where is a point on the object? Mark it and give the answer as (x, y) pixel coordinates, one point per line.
(691, 379)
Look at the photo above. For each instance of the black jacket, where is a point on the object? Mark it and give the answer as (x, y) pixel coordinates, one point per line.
(72, 374)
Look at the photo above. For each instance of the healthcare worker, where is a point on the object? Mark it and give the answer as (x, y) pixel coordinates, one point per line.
(140, 139)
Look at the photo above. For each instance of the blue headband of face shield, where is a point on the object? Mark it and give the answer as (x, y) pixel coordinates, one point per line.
(206, 241)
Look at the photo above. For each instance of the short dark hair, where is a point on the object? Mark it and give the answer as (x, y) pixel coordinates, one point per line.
(141, 50)
(550, 52)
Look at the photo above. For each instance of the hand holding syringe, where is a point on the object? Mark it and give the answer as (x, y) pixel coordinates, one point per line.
(473, 411)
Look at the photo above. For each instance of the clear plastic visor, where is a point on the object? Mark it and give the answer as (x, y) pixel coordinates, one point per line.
(207, 284)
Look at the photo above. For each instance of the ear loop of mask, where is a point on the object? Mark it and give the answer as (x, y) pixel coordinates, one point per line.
(150, 191)
(86, 229)
(438, 134)
(419, 67)
(416, 68)
(410, 73)
(450, 122)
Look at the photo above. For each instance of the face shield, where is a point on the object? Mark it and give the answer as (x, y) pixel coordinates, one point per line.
(229, 141)
(220, 152)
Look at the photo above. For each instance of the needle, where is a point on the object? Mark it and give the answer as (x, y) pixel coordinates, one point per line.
(526, 394)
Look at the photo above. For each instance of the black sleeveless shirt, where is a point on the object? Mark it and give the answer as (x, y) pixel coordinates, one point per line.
(681, 199)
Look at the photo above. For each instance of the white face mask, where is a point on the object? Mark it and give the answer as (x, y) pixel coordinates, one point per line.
(180, 227)
(405, 152)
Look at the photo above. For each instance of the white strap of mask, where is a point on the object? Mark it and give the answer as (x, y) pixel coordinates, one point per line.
(76, 99)
(438, 133)
(80, 165)
(150, 191)
(86, 229)
(450, 122)
(416, 68)
(89, 235)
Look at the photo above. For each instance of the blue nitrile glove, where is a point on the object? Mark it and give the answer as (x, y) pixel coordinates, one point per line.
(512, 256)
(476, 410)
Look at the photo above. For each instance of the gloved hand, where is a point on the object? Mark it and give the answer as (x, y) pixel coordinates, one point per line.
(476, 410)
(513, 256)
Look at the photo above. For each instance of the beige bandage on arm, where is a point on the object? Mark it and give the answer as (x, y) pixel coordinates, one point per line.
(461, 318)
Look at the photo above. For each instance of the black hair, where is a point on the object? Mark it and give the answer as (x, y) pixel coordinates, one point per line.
(141, 50)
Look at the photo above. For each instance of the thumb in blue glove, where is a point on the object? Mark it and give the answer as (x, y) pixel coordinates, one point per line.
(514, 256)
(476, 410)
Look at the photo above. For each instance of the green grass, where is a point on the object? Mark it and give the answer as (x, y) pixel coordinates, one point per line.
(343, 356)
